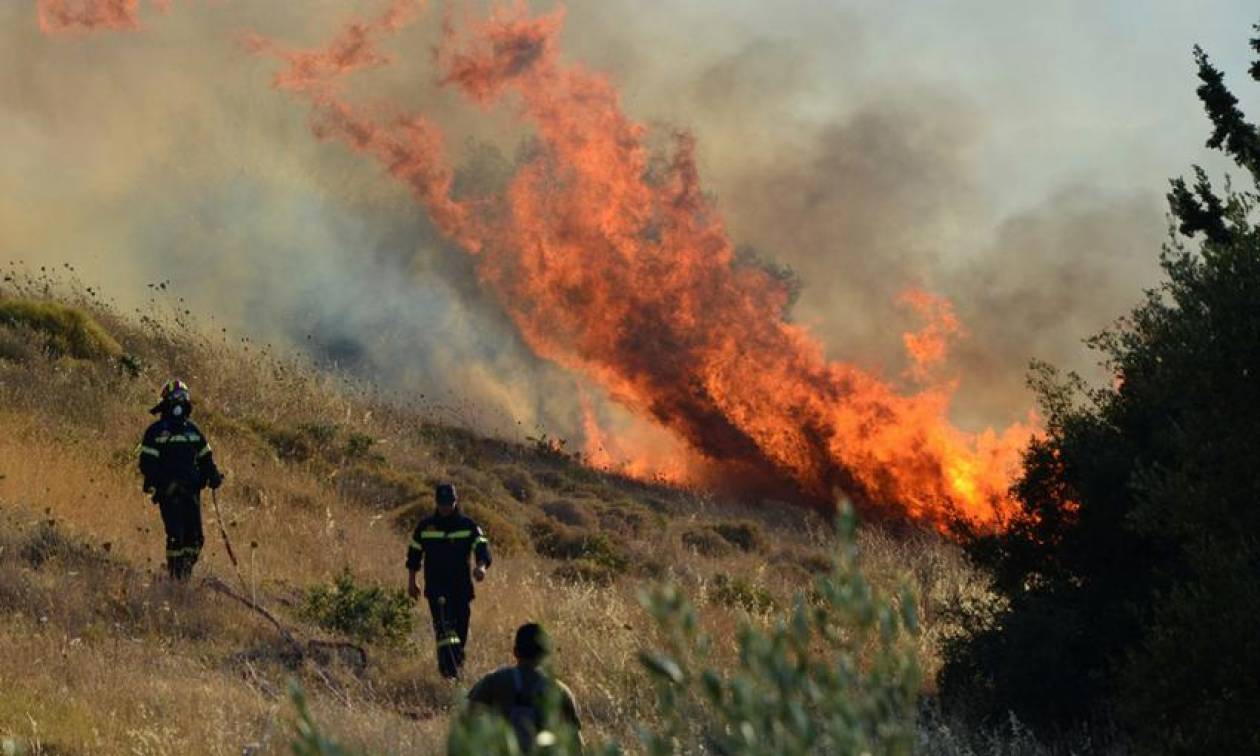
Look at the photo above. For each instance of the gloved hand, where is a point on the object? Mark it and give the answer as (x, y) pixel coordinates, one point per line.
(215, 480)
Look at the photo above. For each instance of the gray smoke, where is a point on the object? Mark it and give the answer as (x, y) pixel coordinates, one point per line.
(165, 155)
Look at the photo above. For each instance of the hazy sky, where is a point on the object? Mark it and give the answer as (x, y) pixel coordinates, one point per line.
(1010, 155)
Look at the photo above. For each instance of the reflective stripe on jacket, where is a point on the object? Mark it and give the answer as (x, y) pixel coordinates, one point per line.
(444, 546)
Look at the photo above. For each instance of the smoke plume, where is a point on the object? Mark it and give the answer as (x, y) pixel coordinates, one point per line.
(180, 164)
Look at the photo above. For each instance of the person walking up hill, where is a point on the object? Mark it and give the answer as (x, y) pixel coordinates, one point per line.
(177, 462)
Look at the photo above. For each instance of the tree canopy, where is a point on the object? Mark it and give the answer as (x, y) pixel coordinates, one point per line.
(1130, 581)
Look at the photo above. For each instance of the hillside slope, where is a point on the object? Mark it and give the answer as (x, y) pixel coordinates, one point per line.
(326, 477)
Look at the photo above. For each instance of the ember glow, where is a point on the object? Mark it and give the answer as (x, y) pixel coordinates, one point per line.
(618, 267)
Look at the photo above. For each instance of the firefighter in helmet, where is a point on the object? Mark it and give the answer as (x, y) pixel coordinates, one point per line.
(176, 462)
(445, 542)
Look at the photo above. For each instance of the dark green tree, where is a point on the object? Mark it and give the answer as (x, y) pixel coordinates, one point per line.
(1130, 582)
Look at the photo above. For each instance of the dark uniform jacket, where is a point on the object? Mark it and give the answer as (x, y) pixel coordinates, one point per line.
(507, 687)
(444, 545)
(175, 459)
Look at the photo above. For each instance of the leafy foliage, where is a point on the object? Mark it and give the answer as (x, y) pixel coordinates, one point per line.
(371, 614)
(310, 740)
(1135, 563)
(838, 674)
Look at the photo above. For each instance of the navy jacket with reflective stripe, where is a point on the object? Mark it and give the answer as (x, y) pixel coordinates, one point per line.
(175, 458)
(444, 545)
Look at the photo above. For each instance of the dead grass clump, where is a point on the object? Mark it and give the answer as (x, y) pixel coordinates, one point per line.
(16, 345)
(572, 513)
(301, 443)
(705, 541)
(584, 572)
(65, 330)
(518, 482)
(629, 520)
(506, 537)
(48, 542)
(474, 486)
(379, 487)
(744, 535)
(556, 481)
(809, 560)
(659, 505)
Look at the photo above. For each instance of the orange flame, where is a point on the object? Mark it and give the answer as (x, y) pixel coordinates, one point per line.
(928, 347)
(622, 269)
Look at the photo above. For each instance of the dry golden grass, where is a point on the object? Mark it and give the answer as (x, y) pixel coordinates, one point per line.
(99, 654)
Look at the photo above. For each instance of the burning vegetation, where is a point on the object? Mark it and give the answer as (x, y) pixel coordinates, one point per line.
(615, 264)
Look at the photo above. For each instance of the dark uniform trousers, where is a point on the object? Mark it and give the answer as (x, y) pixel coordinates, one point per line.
(451, 616)
(181, 516)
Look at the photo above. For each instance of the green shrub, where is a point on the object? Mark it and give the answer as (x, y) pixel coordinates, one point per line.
(738, 593)
(311, 740)
(558, 541)
(370, 614)
(1127, 578)
(835, 676)
(65, 330)
(359, 446)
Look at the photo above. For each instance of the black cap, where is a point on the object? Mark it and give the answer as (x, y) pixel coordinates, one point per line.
(532, 642)
(445, 493)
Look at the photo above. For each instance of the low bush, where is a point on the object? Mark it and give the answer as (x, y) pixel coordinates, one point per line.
(630, 520)
(518, 483)
(379, 487)
(706, 542)
(740, 593)
(65, 330)
(571, 513)
(744, 535)
(558, 541)
(48, 542)
(506, 537)
(367, 613)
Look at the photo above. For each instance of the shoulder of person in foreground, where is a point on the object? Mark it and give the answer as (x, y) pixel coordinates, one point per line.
(492, 686)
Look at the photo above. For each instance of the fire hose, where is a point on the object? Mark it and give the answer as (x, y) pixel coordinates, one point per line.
(227, 542)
